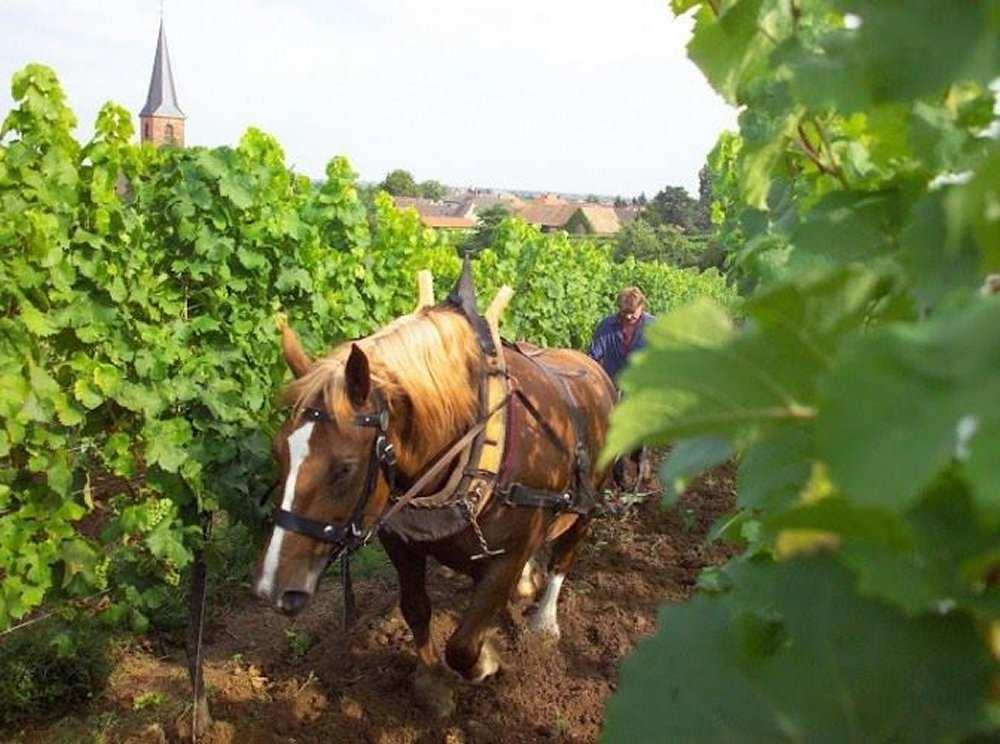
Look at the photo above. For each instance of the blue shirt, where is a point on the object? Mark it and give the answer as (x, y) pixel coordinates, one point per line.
(608, 344)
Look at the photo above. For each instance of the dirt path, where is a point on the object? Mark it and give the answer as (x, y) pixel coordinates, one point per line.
(278, 680)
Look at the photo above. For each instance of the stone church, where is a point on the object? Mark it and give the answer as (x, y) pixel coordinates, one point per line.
(161, 120)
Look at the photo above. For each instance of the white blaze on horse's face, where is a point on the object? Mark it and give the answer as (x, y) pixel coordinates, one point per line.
(298, 451)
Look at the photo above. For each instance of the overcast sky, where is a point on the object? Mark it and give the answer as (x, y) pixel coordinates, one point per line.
(564, 95)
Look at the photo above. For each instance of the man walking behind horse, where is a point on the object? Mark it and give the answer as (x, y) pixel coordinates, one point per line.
(615, 339)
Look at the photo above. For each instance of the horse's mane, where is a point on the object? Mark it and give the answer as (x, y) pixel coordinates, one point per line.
(425, 359)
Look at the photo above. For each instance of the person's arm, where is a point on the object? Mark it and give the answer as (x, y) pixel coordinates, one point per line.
(598, 343)
(640, 342)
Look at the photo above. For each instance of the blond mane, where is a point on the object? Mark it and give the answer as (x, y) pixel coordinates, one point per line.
(426, 359)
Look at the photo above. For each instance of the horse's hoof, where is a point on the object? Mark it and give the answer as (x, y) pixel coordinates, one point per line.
(433, 694)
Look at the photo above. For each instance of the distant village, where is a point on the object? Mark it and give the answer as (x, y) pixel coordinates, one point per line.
(460, 210)
(162, 122)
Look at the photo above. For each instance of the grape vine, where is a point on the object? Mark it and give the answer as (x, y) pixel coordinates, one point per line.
(860, 394)
(138, 357)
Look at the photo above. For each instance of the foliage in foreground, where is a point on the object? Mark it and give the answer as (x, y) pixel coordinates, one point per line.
(860, 394)
(138, 356)
(51, 669)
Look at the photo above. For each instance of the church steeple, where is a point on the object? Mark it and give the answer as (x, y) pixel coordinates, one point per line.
(161, 119)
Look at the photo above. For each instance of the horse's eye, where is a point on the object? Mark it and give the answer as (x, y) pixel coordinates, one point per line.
(341, 471)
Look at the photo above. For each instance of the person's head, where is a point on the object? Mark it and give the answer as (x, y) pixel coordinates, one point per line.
(631, 303)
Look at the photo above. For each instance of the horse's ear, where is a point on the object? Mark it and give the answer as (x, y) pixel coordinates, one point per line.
(295, 355)
(358, 374)
(463, 294)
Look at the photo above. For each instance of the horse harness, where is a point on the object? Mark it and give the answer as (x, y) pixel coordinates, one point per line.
(470, 492)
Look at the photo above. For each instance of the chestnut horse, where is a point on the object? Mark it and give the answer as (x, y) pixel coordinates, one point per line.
(385, 408)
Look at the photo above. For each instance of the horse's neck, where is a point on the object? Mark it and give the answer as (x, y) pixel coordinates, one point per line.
(419, 450)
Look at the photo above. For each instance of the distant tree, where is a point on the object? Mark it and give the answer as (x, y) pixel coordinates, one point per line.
(486, 229)
(703, 209)
(400, 183)
(593, 199)
(672, 206)
(664, 243)
(432, 190)
(619, 202)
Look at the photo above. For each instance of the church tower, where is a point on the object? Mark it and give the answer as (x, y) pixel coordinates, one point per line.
(161, 120)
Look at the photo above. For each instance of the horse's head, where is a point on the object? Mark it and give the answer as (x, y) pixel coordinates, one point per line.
(330, 453)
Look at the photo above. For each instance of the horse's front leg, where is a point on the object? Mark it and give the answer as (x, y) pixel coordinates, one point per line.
(430, 689)
(468, 652)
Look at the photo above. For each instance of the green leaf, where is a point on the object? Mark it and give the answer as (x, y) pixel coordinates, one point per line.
(166, 443)
(166, 544)
(37, 323)
(903, 51)
(730, 49)
(849, 226)
(690, 458)
(252, 260)
(699, 376)
(941, 566)
(86, 394)
(793, 654)
(845, 519)
(236, 190)
(775, 469)
(907, 400)
(118, 456)
(938, 265)
(107, 378)
(140, 399)
(78, 557)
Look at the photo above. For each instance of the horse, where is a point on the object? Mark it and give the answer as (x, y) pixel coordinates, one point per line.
(391, 410)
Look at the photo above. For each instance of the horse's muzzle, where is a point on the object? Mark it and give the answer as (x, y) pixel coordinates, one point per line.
(292, 603)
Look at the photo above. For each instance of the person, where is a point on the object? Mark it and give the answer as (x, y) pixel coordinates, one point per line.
(618, 336)
(615, 339)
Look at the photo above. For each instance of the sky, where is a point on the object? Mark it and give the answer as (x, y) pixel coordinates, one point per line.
(580, 96)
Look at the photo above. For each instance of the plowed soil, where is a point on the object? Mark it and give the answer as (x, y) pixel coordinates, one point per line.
(273, 679)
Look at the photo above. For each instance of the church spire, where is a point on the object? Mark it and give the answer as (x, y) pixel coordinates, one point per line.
(161, 118)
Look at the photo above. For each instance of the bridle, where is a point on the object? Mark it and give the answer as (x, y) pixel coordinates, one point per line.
(351, 536)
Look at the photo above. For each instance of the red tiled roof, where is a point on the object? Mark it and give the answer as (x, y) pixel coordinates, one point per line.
(602, 219)
(547, 215)
(437, 220)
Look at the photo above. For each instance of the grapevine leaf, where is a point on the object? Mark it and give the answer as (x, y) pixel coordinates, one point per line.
(689, 458)
(938, 567)
(86, 394)
(37, 322)
(699, 376)
(731, 48)
(792, 653)
(776, 468)
(849, 226)
(907, 400)
(166, 443)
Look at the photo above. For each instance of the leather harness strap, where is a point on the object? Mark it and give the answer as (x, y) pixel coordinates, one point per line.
(579, 497)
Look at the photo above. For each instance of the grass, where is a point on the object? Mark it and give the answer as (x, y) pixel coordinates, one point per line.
(299, 642)
(149, 700)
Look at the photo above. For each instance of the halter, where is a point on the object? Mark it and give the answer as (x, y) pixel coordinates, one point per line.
(351, 535)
